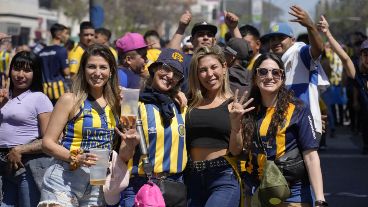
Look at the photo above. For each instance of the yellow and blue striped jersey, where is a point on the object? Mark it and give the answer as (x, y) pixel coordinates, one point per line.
(88, 129)
(166, 145)
(74, 58)
(297, 130)
(4, 61)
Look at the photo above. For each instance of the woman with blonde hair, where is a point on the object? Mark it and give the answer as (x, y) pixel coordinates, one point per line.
(213, 129)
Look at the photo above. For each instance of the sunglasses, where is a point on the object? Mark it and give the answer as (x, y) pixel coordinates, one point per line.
(276, 72)
(167, 68)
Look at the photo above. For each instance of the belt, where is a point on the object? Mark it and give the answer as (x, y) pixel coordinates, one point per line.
(5, 150)
(161, 175)
(208, 164)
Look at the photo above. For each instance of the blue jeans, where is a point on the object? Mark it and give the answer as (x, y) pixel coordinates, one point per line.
(135, 183)
(19, 189)
(217, 186)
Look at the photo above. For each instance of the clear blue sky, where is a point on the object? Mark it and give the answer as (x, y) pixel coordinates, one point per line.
(308, 5)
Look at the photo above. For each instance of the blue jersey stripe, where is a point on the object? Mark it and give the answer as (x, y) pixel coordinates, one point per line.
(313, 77)
(167, 149)
(305, 56)
(151, 137)
(301, 91)
(181, 141)
(87, 122)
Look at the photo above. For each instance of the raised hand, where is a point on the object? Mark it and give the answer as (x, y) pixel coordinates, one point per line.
(4, 90)
(302, 16)
(185, 19)
(323, 25)
(231, 20)
(237, 109)
(181, 99)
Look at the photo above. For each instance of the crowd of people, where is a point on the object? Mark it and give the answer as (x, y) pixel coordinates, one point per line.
(212, 112)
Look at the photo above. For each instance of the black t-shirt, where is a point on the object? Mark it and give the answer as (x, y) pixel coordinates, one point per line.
(208, 128)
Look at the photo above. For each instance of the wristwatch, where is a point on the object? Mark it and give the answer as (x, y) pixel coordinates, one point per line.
(320, 203)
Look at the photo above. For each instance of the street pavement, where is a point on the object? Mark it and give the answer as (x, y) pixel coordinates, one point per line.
(345, 170)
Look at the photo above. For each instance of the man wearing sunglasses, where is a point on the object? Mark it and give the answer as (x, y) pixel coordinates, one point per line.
(132, 57)
(202, 34)
(303, 72)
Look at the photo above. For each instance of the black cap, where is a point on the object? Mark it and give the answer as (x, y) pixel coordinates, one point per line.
(241, 47)
(200, 26)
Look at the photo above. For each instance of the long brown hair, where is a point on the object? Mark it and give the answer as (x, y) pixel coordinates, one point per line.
(196, 90)
(111, 89)
(284, 97)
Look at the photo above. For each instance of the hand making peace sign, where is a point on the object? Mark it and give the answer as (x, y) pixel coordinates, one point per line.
(4, 90)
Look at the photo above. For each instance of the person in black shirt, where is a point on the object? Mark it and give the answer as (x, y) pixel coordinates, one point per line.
(213, 127)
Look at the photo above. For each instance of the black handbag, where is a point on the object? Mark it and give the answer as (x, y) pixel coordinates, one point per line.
(292, 166)
(174, 193)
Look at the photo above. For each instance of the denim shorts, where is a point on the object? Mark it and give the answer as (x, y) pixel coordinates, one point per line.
(69, 188)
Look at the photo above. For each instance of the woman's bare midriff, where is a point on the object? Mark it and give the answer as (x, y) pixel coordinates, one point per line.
(200, 154)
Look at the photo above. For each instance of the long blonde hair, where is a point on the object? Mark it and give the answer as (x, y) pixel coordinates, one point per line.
(196, 90)
(80, 86)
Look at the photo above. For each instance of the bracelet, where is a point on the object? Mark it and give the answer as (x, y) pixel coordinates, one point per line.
(320, 203)
(74, 163)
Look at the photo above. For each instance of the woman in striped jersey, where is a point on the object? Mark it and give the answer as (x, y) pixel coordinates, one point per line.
(163, 126)
(85, 119)
(280, 124)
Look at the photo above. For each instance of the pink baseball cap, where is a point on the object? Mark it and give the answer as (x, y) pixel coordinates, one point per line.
(130, 41)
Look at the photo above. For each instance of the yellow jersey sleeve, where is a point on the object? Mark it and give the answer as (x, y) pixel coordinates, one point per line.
(74, 58)
(113, 51)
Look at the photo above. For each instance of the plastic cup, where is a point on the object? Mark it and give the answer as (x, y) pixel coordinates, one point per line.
(98, 172)
(129, 108)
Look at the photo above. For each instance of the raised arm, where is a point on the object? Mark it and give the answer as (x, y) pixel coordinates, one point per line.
(178, 36)
(237, 109)
(347, 63)
(231, 21)
(315, 39)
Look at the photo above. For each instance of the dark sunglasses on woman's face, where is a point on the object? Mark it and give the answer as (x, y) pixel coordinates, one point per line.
(263, 72)
(167, 68)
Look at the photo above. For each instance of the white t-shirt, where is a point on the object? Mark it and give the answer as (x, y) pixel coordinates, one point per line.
(306, 78)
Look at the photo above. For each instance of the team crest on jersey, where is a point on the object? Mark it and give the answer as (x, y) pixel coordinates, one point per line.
(181, 130)
(177, 56)
(152, 130)
(87, 111)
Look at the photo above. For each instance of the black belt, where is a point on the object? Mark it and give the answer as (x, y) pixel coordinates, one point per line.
(6, 150)
(161, 175)
(208, 164)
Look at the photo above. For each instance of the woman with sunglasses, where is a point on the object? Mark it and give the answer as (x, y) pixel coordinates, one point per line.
(81, 120)
(24, 115)
(163, 126)
(283, 124)
(213, 131)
